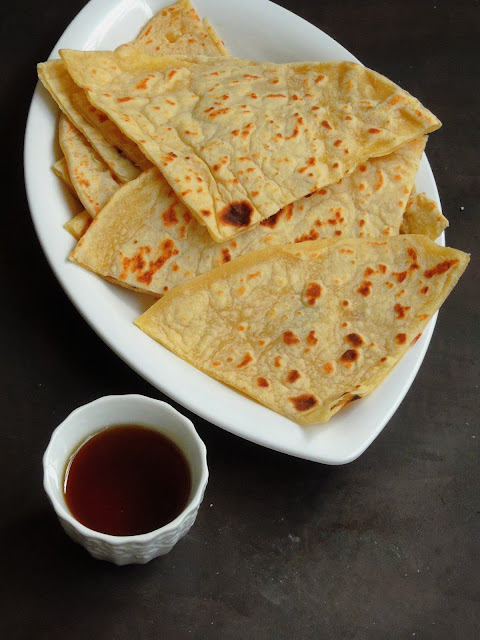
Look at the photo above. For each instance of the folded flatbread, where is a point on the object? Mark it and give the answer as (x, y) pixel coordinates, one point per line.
(146, 238)
(238, 140)
(78, 225)
(91, 178)
(174, 30)
(306, 328)
(60, 169)
(422, 215)
(61, 87)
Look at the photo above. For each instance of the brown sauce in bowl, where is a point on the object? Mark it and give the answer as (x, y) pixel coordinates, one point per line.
(127, 480)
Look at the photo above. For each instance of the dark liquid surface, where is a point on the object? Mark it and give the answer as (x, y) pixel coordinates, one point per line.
(127, 480)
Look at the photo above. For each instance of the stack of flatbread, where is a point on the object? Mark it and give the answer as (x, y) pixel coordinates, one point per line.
(271, 207)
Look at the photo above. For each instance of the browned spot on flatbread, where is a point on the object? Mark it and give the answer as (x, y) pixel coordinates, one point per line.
(226, 255)
(364, 288)
(288, 211)
(412, 253)
(143, 84)
(247, 130)
(311, 339)
(380, 180)
(247, 358)
(219, 112)
(355, 340)
(424, 290)
(292, 376)
(351, 355)
(329, 368)
(441, 267)
(401, 338)
(278, 361)
(135, 264)
(294, 134)
(401, 311)
(304, 402)
(237, 214)
(170, 157)
(290, 338)
(312, 293)
(271, 222)
(263, 382)
(125, 99)
(311, 235)
(415, 339)
(399, 277)
(168, 250)
(169, 217)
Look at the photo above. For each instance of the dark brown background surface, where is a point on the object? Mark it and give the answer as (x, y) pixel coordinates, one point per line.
(386, 547)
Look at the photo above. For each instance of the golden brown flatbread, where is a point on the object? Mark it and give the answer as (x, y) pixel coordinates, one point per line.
(238, 140)
(60, 169)
(61, 87)
(91, 178)
(306, 328)
(174, 30)
(146, 238)
(422, 215)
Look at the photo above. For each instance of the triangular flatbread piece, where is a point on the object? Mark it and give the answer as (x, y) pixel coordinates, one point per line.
(238, 140)
(306, 328)
(176, 30)
(146, 238)
(173, 30)
(91, 178)
(422, 215)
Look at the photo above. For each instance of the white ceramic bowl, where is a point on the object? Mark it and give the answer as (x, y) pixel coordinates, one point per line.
(114, 410)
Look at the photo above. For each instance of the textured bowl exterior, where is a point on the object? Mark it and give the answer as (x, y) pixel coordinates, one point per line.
(128, 409)
(132, 551)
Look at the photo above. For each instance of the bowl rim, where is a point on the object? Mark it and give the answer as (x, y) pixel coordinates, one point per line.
(64, 514)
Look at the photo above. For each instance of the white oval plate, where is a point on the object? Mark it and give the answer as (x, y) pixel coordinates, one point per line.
(254, 29)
